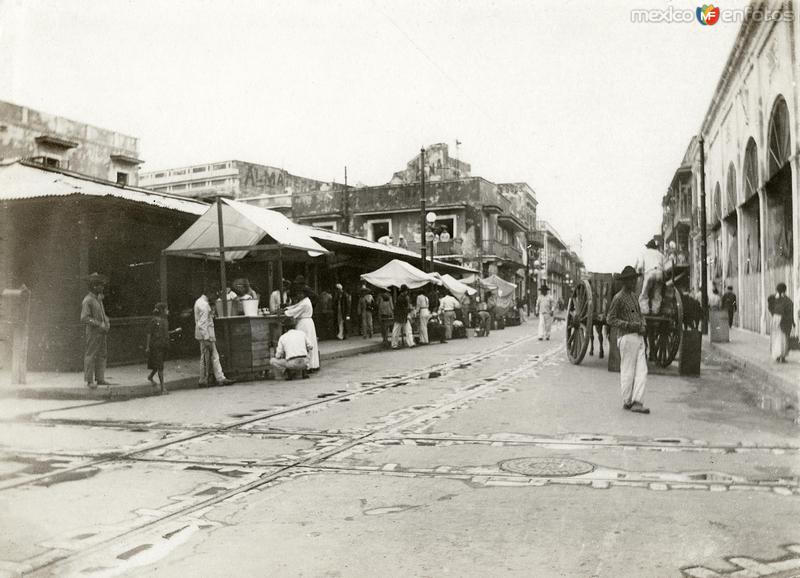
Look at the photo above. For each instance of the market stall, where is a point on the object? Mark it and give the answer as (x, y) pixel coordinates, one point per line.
(230, 231)
(397, 273)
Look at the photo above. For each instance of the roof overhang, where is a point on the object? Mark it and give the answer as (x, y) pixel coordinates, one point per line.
(126, 159)
(56, 141)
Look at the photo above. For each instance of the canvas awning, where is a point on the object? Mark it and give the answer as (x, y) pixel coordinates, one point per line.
(456, 287)
(504, 288)
(397, 273)
(243, 226)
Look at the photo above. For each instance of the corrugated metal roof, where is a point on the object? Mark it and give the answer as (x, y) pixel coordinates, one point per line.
(23, 181)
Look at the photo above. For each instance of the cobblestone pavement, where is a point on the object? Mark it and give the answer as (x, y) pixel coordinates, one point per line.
(480, 457)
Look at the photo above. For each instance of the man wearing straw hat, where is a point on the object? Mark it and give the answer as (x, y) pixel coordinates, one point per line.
(546, 309)
(93, 316)
(625, 315)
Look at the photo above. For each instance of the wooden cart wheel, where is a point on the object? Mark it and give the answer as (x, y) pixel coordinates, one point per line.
(580, 311)
(670, 333)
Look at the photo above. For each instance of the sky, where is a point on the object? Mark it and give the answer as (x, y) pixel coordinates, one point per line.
(592, 110)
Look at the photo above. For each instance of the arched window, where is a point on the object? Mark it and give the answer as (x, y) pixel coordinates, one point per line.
(779, 138)
(779, 231)
(730, 191)
(750, 170)
(716, 207)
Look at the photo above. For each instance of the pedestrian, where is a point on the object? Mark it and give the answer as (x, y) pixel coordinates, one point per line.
(157, 344)
(341, 311)
(325, 312)
(93, 316)
(624, 315)
(491, 307)
(651, 265)
(366, 306)
(303, 312)
(782, 310)
(402, 326)
(385, 315)
(729, 303)
(484, 319)
(210, 365)
(292, 353)
(714, 300)
(423, 315)
(545, 309)
(447, 311)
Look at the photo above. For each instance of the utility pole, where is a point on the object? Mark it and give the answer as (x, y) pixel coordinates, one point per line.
(422, 240)
(346, 204)
(703, 249)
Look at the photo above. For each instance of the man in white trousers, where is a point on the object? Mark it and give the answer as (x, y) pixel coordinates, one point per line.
(624, 315)
(546, 309)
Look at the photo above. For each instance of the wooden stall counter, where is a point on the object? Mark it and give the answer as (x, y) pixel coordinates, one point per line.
(244, 344)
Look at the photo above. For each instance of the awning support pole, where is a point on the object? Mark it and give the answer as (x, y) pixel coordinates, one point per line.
(222, 281)
(163, 276)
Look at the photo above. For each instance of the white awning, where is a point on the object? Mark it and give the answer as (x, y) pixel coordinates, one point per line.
(397, 273)
(456, 287)
(243, 225)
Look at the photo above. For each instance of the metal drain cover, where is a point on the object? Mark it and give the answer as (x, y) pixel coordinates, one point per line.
(547, 467)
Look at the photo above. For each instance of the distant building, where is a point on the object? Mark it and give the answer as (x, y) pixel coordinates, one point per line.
(253, 183)
(57, 142)
(560, 267)
(479, 224)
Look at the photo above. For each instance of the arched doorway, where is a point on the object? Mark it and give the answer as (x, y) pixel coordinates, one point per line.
(731, 226)
(750, 300)
(779, 231)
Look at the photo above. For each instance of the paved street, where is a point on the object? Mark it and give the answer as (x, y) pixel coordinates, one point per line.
(481, 457)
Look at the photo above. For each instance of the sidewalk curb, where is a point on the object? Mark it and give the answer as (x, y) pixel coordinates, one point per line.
(125, 392)
(759, 372)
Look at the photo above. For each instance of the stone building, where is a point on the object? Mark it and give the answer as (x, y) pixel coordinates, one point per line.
(680, 224)
(57, 142)
(751, 151)
(253, 183)
(559, 266)
(479, 224)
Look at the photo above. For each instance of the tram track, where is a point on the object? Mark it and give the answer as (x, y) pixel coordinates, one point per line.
(274, 472)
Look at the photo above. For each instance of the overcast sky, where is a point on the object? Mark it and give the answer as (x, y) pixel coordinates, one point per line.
(592, 110)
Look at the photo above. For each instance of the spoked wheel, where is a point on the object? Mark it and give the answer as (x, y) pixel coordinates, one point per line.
(580, 311)
(670, 332)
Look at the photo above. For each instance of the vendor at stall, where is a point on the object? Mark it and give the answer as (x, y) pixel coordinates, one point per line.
(241, 291)
(302, 312)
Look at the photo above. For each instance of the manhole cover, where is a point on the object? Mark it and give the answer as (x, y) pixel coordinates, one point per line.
(547, 467)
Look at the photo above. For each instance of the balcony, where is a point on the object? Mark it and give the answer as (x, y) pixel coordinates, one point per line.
(502, 251)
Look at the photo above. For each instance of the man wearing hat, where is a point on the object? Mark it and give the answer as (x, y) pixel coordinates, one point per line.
(93, 316)
(651, 265)
(546, 310)
(624, 315)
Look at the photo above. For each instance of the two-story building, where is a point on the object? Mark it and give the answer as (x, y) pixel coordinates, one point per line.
(678, 223)
(57, 142)
(479, 224)
(252, 183)
(557, 265)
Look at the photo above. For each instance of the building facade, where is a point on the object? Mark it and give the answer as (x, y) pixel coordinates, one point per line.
(478, 224)
(58, 142)
(557, 265)
(253, 183)
(751, 159)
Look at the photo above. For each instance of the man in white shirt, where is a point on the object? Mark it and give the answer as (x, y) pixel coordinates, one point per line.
(447, 310)
(292, 352)
(204, 333)
(651, 265)
(546, 310)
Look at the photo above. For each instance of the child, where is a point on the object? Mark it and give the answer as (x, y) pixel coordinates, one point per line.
(157, 344)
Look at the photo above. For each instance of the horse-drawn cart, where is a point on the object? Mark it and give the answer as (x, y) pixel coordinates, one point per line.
(587, 309)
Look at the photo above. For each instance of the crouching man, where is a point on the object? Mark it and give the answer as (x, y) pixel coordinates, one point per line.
(291, 354)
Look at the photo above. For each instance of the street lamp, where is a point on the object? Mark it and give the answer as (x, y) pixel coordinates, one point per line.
(431, 219)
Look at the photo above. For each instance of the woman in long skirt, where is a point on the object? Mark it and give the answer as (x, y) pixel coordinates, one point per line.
(782, 310)
(302, 313)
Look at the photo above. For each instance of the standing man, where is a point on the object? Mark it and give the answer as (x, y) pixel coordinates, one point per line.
(93, 316)
(546, 310)
(366, 305)
(341, 311)
(625, 315)
(279, 298)
(729, 303)
(402, 326)
(447, 309)
(424, 315)
(204, 333)
(651, 265)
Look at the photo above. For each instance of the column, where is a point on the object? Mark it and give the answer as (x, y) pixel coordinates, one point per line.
(762, 288)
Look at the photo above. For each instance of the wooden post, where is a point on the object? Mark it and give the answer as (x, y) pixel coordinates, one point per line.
(20, 311)
(163, 277)
(270, 276)
(280, 268)
(222, 281)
